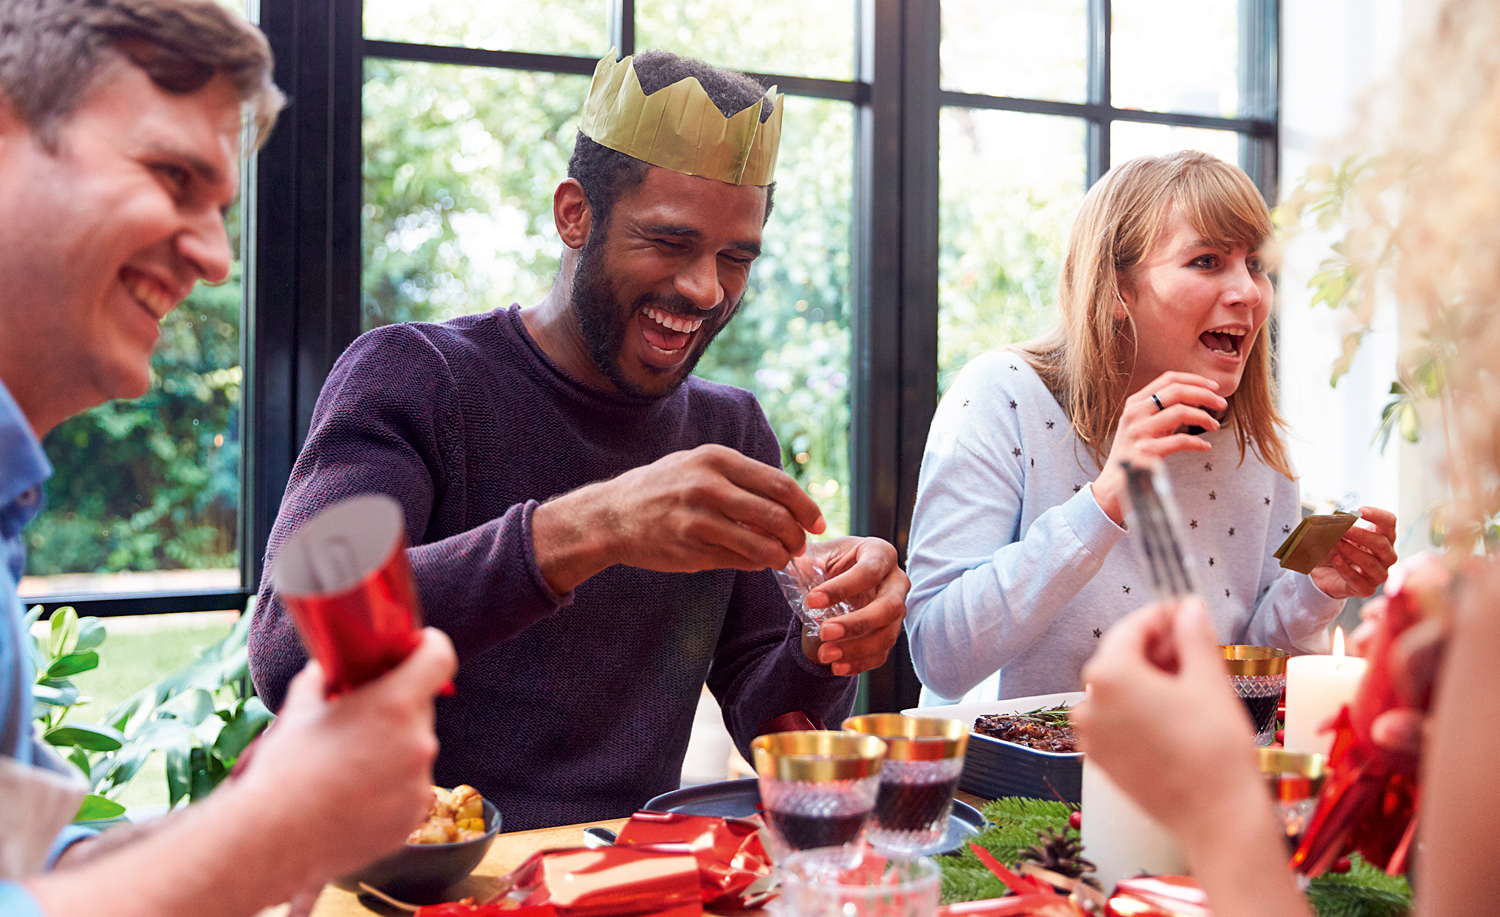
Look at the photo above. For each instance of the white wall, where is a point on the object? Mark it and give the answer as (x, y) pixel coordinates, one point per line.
(1332, 53)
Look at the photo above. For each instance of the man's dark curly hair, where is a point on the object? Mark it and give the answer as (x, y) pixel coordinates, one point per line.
(606, 174)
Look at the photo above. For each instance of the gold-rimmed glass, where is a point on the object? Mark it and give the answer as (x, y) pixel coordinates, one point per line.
(1294, 780)
(923, 760)
(817, 787)
(1259, 677)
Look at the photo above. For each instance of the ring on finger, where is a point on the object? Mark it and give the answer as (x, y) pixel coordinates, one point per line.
(1157, 401)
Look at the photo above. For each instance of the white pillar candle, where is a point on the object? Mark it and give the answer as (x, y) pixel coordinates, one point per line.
(1317, 687)
(1119, 838)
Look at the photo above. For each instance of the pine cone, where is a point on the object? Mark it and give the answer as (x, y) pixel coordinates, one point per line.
(1062, 854)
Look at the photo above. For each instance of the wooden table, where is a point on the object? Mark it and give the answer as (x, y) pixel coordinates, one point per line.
(508, 852)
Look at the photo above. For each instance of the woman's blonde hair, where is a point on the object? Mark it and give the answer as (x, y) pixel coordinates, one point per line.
(1085, 358)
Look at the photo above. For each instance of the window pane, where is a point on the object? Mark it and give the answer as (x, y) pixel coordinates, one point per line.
(459, 168)
(146, 493)
(1017, 48)
(1129, 139)
(1176, 55)
(554, 27)
(790, 342)
(773, 36)
(1010, 186)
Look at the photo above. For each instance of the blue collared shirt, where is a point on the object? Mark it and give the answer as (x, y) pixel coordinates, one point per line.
(23, 470)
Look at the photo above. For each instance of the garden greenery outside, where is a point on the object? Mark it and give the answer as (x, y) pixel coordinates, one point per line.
(459, 168)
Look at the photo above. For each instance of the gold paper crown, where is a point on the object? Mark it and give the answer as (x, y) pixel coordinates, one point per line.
(679, 127)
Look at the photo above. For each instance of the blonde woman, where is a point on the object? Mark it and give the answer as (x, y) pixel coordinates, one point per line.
(1445, 151)
(1018, 559)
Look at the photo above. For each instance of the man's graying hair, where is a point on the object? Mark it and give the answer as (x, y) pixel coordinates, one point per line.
(606, 174)
(53, 51)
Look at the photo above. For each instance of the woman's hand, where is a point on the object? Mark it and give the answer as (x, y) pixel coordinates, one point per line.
(1163, 720)
(1362, 559)
(1152, 425)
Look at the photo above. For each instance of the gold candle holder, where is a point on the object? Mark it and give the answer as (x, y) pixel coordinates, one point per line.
(1294, 780)
(1292, 776)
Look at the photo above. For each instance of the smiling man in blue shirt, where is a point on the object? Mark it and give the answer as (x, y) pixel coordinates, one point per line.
(120, 127)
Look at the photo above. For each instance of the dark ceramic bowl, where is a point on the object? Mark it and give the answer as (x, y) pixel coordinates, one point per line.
(420, 873)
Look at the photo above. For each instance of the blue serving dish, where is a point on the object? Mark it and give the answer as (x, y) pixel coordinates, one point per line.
(994, 768)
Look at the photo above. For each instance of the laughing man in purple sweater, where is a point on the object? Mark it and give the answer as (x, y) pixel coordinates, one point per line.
(593, 525)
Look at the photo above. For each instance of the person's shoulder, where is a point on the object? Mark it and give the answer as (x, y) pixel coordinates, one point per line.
(457, 340)
(703, 391)
(1004, 368)
(996, 381)
(724, 413)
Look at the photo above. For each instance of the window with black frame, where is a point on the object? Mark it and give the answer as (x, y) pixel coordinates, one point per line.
(933, 158)
(1039, 98)
(460, 161)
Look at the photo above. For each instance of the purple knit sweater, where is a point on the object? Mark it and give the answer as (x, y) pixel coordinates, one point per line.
(569, 708)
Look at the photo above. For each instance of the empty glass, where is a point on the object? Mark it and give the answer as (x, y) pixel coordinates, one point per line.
(1294, 779)
(840, 881)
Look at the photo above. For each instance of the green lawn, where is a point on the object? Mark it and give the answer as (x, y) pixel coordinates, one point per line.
(137, 652)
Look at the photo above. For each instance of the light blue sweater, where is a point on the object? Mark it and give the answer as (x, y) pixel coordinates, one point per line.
(1016, 572)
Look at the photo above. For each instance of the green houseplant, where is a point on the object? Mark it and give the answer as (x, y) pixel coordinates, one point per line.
(200, 718)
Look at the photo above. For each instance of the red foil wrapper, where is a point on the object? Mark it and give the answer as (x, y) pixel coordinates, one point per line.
(1371, 797)
(348, 586)
(1158, 896)
(732, 863)
(615, 881)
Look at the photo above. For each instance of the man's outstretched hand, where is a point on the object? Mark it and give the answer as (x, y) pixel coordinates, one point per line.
(862, 572)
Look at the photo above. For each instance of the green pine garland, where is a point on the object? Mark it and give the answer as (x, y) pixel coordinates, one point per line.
(1363, 891)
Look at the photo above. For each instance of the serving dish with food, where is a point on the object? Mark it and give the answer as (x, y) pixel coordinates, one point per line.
(1048, 764)
(457, 833)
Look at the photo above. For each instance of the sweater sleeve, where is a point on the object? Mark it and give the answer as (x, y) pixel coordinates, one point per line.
(985, 584)
(1292, 613)
(383, 424)
(759, 671)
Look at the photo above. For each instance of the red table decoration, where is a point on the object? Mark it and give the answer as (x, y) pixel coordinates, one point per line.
(1371, 797)
(733, 867)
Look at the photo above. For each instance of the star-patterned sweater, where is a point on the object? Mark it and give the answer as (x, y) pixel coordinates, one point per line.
(1016, 572)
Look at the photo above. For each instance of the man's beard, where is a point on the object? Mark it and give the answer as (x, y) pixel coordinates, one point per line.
(603, 320)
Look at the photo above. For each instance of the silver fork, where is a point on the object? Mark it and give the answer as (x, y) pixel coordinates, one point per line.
(1153, 516)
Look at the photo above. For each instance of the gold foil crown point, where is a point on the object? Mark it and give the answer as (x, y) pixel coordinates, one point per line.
(679, 127)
